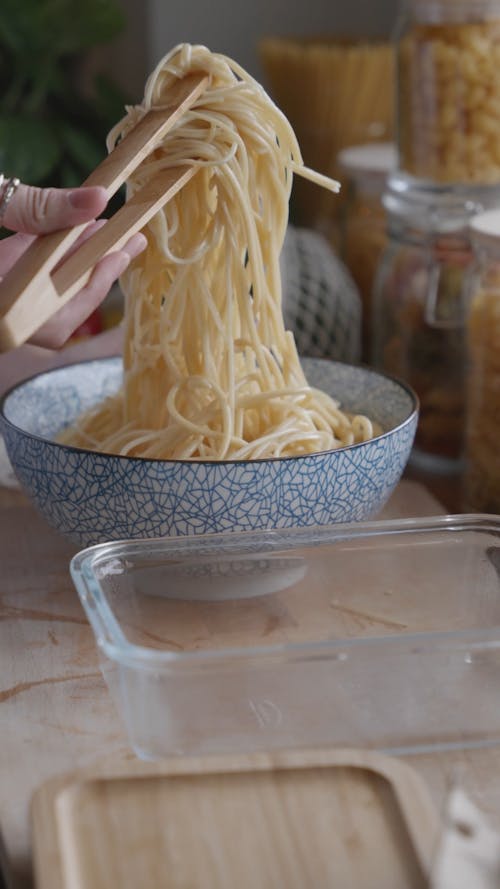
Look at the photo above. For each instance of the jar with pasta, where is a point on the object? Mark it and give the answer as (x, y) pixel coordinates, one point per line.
(481, 483)
(364, 170)
(419, 332)
(448, 86)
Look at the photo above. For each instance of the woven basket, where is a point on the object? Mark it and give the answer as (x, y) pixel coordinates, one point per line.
(321, 303)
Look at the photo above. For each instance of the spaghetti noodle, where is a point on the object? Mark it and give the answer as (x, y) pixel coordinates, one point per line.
(210, 373)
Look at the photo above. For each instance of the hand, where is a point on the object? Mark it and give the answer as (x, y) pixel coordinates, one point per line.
(36, 211)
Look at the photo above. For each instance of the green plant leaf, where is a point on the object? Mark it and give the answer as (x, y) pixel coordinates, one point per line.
(109, 101)
(83, 149)
(68, 176)
(29, 148)
(20, 25)
(42, 28)
(51, 130)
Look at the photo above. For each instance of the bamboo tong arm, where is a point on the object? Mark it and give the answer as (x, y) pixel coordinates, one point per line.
(115, 169)
(133, 216)
(32, 291)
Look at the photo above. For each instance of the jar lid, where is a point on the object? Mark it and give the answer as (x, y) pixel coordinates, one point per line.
(485, 227)
(434, 208)
(373, 157)
(370, 163)
(453, 11)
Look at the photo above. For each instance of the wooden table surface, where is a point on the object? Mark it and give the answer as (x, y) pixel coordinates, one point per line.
(56, 714)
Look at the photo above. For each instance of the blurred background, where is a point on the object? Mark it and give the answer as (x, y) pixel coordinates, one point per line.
(67, 68)
(235, 27)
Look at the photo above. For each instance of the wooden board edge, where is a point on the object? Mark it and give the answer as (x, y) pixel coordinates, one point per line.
(411, 793)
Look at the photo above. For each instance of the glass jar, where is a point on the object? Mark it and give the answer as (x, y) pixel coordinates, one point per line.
(418, 331)
(481, 481)
(448, 88)
(363, 228)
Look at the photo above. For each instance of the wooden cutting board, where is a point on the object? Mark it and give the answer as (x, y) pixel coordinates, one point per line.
(342, 819)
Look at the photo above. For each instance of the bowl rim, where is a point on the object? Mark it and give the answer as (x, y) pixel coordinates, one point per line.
(414, 411)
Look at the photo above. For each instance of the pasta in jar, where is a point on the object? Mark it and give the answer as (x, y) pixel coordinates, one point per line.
(363, 237)
(482, 451)
(411, 345)
(419, 321)
(448, 74)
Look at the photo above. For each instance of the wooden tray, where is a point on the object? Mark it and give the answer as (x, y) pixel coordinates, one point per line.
(345, 819)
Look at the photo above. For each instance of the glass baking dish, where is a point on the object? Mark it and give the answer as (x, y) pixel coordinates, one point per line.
(381, 635)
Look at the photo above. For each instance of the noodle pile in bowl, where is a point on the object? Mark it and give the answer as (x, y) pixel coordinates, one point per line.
(210, 372)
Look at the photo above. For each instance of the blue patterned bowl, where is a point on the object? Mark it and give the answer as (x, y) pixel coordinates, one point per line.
(94, 497)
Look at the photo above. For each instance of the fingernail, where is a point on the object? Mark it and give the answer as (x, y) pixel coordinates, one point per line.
(136, 245)
(87, 198)
(123, 261)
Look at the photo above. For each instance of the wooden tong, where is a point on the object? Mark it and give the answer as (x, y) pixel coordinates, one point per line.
(34, 290)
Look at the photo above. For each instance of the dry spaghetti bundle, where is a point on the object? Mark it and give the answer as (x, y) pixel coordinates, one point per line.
(335, 93)
(210, 372)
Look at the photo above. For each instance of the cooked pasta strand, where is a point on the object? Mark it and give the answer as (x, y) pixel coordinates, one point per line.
(210, 372)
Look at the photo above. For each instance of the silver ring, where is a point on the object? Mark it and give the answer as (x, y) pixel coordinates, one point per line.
(9, 192)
